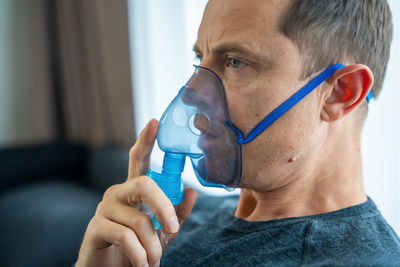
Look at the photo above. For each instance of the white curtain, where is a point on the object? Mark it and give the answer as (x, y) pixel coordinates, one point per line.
(26, 111)
(95, 71)
(162, 35)
(94, 78)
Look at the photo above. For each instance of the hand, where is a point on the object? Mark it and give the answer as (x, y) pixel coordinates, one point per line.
(121, 235)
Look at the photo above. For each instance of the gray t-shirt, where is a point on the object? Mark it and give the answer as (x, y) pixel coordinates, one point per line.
(212, 236)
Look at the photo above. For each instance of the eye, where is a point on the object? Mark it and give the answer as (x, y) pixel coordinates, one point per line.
(199, 57)
(234, 63)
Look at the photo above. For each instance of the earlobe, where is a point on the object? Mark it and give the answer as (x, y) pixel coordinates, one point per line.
(348, 89)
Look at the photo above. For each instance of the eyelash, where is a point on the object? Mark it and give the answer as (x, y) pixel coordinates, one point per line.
(227, 61)
(198, 57)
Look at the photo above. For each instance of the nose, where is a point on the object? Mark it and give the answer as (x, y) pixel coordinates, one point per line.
(203, 89)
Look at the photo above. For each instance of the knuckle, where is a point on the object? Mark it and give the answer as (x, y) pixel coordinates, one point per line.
(155, 252)
(141, 257)
(125, 236)
(93, 226)
(133, 152)
(100, 207)
(103, 208)
(110, 191)
(143, 182)
(142, 222)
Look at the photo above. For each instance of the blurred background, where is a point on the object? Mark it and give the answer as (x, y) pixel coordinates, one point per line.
(79, 79)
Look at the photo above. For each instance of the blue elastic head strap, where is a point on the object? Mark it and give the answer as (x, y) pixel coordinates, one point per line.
(369, 96)
(288, 104)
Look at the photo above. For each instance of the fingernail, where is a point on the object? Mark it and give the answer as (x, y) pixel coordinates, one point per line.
(146, 265)
(156, 264)
(148, 125)
(173, 225)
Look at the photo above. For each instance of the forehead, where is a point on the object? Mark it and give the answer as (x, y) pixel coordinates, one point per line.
(251, 22)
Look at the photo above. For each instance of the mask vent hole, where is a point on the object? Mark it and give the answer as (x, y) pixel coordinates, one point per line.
(199, 124)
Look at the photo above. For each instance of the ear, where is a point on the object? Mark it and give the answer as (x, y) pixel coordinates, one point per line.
(349, 87)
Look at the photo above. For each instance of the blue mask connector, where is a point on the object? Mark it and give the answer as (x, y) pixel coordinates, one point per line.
(169, 179)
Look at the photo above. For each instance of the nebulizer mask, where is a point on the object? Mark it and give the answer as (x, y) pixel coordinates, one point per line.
(196, 125)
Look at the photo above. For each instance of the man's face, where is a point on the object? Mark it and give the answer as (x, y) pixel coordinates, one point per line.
(260, 68)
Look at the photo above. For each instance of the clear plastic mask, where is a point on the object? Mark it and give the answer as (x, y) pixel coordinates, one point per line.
(197, 124)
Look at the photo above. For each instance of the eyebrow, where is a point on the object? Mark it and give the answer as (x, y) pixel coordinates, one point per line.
(236, 48)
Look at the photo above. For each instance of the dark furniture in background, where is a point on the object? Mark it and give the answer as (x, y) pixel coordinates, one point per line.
(48, 194)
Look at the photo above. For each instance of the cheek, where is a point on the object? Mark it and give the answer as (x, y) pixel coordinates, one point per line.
(295, 131)
(293, 135)
(296, 146)
(247, 110)
(241, 112)
(259, 99)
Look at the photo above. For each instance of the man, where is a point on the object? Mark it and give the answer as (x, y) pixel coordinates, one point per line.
(302, 200)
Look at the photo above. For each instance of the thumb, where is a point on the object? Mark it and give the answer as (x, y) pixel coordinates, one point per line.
(184, 209)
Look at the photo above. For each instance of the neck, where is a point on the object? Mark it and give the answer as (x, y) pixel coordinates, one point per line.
(335, 184)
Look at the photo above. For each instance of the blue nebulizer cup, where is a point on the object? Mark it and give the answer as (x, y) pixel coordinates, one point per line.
(169, 179)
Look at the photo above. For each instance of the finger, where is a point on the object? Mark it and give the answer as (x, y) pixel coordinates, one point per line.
(139, 155)
(119, 235)
(184, 209)
(140, 223)
(144, 189)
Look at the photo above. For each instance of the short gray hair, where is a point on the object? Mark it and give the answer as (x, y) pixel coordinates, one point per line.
(332, 31)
